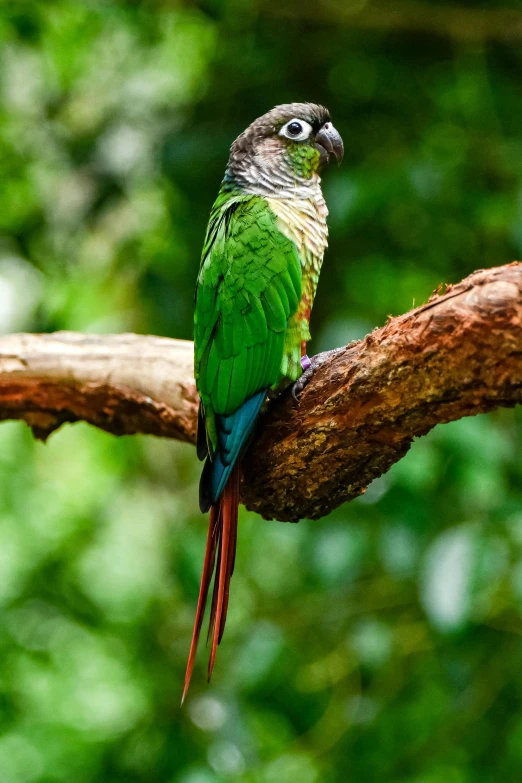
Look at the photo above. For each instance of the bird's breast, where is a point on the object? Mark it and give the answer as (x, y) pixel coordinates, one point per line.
(304, 222)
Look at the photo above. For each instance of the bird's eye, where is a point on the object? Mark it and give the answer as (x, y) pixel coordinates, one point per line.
(297, 130)
(294, 128)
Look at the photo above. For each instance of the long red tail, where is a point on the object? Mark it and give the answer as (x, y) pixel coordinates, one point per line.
(221, 537)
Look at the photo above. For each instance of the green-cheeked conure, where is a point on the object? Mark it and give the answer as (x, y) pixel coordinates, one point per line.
(256, 285)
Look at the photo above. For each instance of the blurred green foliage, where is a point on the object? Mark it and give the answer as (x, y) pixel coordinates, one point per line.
(380, 644)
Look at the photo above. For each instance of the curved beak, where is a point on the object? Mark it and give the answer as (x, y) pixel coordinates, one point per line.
(328, 141)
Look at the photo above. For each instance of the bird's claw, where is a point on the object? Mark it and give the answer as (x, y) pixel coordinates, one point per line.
(309, 366)
(307, 372)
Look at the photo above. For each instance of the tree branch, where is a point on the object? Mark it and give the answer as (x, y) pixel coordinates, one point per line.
(124, 383)
(458, 355)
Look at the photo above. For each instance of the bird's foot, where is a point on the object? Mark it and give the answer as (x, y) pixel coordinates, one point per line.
(309, 366)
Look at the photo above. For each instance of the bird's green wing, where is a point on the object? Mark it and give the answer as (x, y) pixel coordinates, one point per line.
(249, 286)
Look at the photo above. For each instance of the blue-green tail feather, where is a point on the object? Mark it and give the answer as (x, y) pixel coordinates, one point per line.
(233, 434)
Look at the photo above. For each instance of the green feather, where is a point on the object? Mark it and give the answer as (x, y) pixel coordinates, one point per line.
(224, 340)
(293, 294)
(249, 288)
(257, 320)
(239, 380)
(250, 334)
(237, 334)
(276, 316)
(208, 370)
(260, 358)
(281, 292)
(295, 272)
(221, 391)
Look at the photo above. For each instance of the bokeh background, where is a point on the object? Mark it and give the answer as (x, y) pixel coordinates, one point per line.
(382, 643)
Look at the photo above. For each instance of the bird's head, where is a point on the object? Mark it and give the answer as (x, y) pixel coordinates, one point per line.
(289, 144)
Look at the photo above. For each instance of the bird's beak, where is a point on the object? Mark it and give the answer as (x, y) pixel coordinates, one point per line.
(328, 141)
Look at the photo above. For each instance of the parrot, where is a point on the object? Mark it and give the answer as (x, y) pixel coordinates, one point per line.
(257, 279)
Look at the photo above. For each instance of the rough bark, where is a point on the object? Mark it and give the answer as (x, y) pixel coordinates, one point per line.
(124, 383)
(458, 355)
